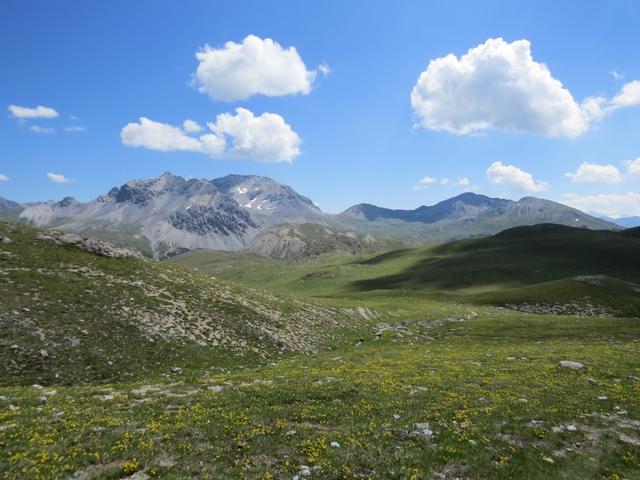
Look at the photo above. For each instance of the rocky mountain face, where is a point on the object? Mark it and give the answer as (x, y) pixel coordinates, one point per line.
(162, 214)
(167, 215)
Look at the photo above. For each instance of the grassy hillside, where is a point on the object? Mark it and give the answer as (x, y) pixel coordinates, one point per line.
(68, 316)
(520, 256)
(539, 265)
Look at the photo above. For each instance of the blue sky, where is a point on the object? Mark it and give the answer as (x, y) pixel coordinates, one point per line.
(348, 136)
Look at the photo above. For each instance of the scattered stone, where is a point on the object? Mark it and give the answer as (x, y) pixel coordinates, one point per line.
(5, 240)
(571, 428)
(628, 439)
(396, 416)
(176, 370)
(571, 364)
(580, 308)
(290, 433)
(422, 430)
(304, 471)
(88, 244)
(603, 397)
(334, 445)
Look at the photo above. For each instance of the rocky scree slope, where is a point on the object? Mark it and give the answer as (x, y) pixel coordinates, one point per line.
(304, 241)
(169, 212)
(69, 316)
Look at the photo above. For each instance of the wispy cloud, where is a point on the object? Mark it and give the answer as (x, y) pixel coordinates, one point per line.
(59, 178)
(616, 74)
(41, 130)
(426, 181)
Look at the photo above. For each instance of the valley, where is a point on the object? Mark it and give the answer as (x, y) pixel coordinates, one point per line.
(341, 365)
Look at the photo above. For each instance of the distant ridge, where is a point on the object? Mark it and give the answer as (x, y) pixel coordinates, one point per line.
(466, 204)
(480, 207)
(166, 215)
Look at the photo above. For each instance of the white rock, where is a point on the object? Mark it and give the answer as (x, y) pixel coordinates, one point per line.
(571, 364)
(335, 445)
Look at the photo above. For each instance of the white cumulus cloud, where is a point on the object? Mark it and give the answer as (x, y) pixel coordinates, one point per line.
(191, 126)
(629, 95)
(27, 112)
(613, 204)
(265, 138)
(3, 178)
(512, 176)
(157, 136)
(593, 172)
(237, 71)
(262, 138)
(58, 178)
(498, 85)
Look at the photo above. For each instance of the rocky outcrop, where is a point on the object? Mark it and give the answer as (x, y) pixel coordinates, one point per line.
(295, 242)
(88, 244)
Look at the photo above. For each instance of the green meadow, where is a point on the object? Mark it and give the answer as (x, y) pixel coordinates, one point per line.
(397, 365)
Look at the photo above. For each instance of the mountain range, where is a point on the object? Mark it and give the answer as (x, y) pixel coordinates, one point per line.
(169, 214)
